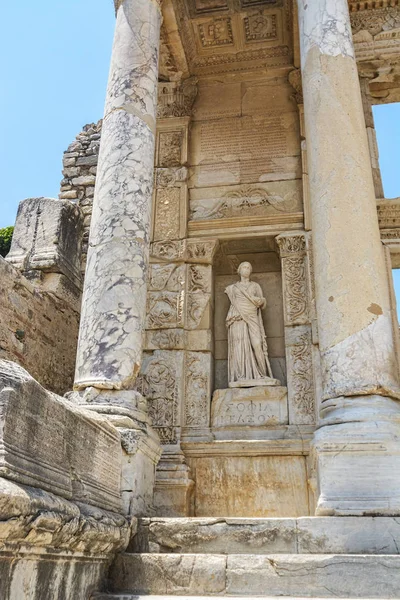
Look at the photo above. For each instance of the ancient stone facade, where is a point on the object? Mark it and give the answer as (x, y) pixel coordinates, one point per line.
(251, 426)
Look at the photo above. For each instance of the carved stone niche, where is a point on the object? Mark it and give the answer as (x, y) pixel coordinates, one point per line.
(267, 272)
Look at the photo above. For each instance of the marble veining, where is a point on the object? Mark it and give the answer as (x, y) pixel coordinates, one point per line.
(325, 24)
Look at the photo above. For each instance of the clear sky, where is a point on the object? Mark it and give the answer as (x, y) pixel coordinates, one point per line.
(54, 66)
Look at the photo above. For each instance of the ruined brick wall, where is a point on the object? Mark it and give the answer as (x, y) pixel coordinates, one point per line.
(38, 330)
(79, 171)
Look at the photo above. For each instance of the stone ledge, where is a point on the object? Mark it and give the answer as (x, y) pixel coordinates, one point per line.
(305, 535)
(32, 520)
(48, 443)
(314, 575)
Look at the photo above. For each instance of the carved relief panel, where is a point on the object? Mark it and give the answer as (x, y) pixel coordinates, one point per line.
(298, 330)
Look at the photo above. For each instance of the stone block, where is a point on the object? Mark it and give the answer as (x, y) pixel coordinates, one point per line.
(348, 535)
(319, 575)
(222, 535)
(169, 574)
(48, 442)
(39, 326)
(251, 485)
(250, 407)
(358, 466)
(47, 237)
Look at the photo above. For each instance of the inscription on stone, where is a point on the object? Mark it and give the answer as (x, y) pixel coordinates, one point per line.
(262, 137)
(252, 407)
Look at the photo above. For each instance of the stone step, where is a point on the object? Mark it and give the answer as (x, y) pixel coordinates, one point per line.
(291, 575)
(308, 535)
(136, 597)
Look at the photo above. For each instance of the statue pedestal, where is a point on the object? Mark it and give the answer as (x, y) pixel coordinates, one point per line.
(259, 406)
(249, 383)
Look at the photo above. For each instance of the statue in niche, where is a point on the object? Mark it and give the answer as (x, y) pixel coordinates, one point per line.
(248, 362)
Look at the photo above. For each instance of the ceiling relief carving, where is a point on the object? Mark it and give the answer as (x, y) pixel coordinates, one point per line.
(234, 35)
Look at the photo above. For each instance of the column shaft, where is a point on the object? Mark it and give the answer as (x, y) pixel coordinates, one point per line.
(114, 299)
(355, 452)
(352, 292)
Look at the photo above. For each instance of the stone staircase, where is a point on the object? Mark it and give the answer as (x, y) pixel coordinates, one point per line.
(311, 557)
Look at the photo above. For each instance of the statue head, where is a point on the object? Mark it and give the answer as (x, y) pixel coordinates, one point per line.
(245, 269)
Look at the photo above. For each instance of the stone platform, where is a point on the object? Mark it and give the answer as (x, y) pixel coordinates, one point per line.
(313, 557)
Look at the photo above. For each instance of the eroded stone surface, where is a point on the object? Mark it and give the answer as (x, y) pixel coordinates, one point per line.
(48, 442)
(169, 574)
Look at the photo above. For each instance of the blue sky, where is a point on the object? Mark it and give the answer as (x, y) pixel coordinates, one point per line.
(54, 66)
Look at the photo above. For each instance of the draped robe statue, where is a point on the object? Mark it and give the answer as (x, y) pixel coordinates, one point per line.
(248, 363)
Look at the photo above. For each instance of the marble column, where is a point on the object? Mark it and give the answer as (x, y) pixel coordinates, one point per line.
(355, 451)
(114, 298)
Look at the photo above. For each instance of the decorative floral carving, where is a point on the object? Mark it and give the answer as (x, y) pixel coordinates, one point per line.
(291, 243)
(199, 278)
(168, 177)
(168, 250)
(295, 290)
(164, 310)
(197, 397)
(301, 379)
(159, 387)
(167, 339)
(375, 21)
(259, 27)
(170, 277)
(167, 213)
(169, 148)
(217, 32)
(201, 251)
(176, 98)
(251, 201)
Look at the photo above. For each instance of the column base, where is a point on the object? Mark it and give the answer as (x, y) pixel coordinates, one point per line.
(357, 468)
(174, 487)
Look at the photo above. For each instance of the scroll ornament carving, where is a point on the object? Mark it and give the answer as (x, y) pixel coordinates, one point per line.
(176, 98)
(302, 381)
(169, 150)
(246, 200)
(196, 398)
(158, 385)
(291, 244)
(165, 310)
(295, 288)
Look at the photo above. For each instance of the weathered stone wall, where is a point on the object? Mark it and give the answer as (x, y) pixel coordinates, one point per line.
(79, 170)
(37, 330)
(61, 519)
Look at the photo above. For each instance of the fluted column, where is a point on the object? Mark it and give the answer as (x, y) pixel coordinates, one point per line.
(114, 299)
(356, 452)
